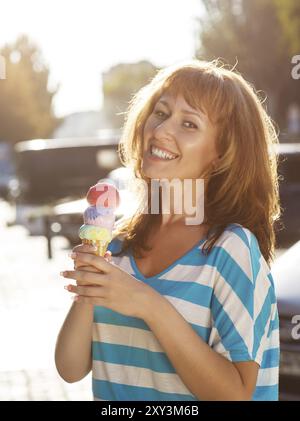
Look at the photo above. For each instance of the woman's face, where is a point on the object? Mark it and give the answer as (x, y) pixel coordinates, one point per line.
(179, 141)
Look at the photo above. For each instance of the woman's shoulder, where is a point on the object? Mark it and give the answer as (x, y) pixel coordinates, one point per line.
(115, 246)
(234, 229)
(239, 245)
(240, 249)
(236, 236)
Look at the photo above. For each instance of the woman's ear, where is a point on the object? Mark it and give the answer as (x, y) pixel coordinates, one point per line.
(215, 162)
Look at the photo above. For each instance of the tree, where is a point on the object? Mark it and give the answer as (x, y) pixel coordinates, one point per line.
(25, 101)
(120, 82)
(250, 35)
(289, 15)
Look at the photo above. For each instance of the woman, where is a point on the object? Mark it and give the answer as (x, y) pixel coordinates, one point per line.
(185, 311)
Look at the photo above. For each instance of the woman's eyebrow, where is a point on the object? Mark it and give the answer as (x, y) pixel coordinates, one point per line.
(183, 111)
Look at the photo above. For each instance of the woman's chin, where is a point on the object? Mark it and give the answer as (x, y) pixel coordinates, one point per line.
(155, 174)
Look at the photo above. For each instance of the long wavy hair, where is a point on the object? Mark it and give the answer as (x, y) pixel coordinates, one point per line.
(243, 188)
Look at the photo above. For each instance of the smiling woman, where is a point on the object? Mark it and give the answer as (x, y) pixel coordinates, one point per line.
(230, 124)
(172, 136)
(186, 312)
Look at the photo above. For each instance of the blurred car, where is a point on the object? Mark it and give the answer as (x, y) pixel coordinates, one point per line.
(289, 190)
(50, 171)
(286, 274)
(288, 137)
(65, 218)
(53, 169)
(7, 169)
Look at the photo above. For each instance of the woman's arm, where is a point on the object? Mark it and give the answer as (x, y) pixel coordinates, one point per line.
(207, 374)
(73, 357)
(73, 352)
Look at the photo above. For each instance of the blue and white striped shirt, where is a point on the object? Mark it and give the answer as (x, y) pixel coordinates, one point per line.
(227, 297)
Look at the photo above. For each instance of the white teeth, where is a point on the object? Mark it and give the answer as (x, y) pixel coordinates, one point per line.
(161, 154)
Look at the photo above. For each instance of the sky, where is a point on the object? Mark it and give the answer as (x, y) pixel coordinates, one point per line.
(80, 39)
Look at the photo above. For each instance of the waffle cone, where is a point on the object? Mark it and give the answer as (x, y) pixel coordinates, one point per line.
(101, 246)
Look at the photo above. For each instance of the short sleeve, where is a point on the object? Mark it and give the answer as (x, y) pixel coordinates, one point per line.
(115, 246)
(243, 300)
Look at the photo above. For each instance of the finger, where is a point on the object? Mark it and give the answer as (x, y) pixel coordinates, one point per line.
(84, 284)
(92, 260)
(90, 300)
(88, 291)
(86, 278)
(85, 267)
(108, 256)
(84, 248)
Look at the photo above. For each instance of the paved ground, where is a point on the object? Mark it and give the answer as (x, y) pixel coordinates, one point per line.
(33, 305)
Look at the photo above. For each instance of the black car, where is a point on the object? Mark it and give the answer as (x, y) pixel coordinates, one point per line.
(55, 169)
(51, 172)
(286, 274)
(288, 230)
(7, 169)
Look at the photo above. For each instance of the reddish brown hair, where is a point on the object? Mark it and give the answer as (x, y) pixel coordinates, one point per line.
(243, 188)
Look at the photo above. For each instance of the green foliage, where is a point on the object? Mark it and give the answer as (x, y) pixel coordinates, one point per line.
(250, 35)
(120, 82)
(289, 15)
(25, 101)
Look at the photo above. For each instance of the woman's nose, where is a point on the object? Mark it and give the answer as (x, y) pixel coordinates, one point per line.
(165, 130)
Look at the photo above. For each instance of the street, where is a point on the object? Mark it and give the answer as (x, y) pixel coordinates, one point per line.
(33, 305)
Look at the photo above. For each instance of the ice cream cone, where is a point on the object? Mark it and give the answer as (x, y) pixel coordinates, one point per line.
(99, 218)
(101, 246)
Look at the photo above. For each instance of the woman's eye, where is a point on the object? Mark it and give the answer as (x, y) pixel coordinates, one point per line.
(161, 114)
(193, 125)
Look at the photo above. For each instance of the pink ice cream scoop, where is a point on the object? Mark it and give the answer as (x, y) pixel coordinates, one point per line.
(103, 195)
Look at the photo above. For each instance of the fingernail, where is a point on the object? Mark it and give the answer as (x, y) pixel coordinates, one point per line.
(62, 273)
(72, 255)
(75, 298)
(67, 287)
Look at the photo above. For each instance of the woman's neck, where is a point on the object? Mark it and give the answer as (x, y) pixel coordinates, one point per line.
(182, 205)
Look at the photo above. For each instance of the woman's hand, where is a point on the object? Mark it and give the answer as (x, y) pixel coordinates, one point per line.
(107, 285)
(85, 248)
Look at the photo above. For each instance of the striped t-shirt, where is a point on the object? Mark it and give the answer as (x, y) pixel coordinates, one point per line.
(227, 297)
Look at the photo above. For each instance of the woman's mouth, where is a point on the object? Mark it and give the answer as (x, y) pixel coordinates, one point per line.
(161, 154)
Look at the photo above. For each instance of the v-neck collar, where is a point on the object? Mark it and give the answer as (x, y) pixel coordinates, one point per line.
(176, 262)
